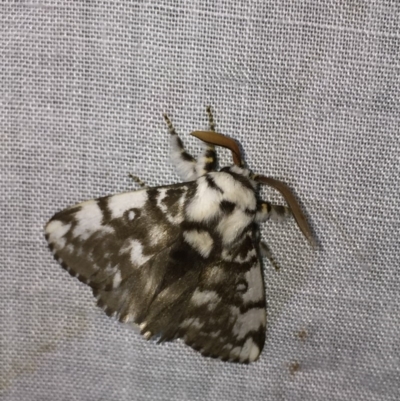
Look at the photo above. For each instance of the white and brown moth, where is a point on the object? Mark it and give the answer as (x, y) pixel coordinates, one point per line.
(181, 260)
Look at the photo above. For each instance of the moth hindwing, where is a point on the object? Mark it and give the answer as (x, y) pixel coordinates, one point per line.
(179, 261)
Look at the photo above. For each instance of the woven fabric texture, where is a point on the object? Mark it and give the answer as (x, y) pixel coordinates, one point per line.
(310, 89)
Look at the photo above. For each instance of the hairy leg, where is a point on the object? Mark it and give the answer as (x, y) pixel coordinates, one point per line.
(183, 161)
(207, 161)
(187, 166)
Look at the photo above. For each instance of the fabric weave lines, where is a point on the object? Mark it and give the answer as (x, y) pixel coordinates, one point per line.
(310, 89)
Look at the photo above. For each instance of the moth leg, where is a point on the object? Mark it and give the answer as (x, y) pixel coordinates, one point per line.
(267, 210)
(138, 181)
(184, 162)
(207, 161)
(266, 253)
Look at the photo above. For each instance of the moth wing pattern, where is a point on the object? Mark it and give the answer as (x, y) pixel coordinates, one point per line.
(106, 243)
(225, 316)
(136, 252)
(180, 261)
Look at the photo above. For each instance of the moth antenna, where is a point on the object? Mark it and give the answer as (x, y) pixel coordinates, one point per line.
(215, 138)
(211, 121)
(287, 193)
(171, 128)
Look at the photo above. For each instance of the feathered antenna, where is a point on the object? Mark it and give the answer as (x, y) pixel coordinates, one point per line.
(214, 138)
(290, 199)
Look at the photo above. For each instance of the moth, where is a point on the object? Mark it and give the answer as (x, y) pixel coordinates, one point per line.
(180, 260)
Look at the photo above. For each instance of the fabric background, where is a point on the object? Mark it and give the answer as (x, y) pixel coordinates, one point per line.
(309, 88)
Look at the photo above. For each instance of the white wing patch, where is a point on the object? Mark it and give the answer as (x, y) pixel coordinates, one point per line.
(135, 249)
(56, 231)
(162, 193)
(255, 289)
(250, 351)
(210, 298)
(253, 319)
(117, 279)
(156, 235)
(199, 240)
(89, 221)
(119, 204)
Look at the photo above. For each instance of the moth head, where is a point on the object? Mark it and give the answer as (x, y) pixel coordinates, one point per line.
(214, 138)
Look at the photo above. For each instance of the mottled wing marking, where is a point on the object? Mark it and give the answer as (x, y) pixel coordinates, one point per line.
(106, 242)
(225, 316)
(179, 261)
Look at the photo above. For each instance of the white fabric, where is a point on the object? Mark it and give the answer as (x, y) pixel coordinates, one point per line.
(310, 89)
